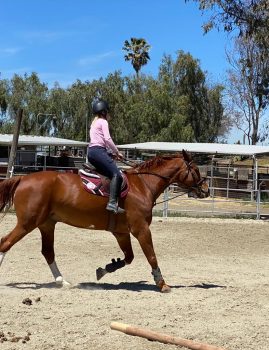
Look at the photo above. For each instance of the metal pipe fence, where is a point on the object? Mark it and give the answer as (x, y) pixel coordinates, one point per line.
(231, 195)
(214, 206)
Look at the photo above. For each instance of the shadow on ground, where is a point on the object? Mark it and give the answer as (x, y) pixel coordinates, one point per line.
(139, 286)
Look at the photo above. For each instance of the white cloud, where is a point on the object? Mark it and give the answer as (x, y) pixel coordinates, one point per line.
(65, 80)
(12, 71)
(85, 61)
(9, 51)
(9, 73)
(43, 35)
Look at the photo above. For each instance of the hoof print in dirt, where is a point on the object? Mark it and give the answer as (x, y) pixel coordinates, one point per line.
(15, 339)
(3, 337)
(27, 301)
(11, 337)
(26, 339)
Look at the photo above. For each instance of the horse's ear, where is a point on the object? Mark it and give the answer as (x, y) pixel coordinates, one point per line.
(186, 156)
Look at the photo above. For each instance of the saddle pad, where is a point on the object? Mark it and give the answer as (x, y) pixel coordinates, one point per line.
(100, 185)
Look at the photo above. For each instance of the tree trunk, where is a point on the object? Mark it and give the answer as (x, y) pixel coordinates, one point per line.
(14, 145)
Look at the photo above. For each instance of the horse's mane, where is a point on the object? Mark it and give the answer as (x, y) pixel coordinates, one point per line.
(156, 161)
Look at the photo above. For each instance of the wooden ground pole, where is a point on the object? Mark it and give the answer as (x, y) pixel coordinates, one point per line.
(160, 337)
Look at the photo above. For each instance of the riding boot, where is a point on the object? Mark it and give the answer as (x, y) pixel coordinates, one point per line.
(115, 186)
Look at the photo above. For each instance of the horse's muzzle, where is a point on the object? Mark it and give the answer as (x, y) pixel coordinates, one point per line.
(199, 191)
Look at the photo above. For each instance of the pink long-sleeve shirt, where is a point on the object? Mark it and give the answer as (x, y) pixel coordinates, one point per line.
(100, 135)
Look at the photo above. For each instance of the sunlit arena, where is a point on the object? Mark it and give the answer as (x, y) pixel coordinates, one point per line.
(215, 268)
(134, 175)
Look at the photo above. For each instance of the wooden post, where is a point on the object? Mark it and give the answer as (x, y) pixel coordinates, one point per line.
(160, 337)
(14, 145)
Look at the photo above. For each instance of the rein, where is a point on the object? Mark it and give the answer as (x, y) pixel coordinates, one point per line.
(154, 174)
(169, 199)
(127, 162)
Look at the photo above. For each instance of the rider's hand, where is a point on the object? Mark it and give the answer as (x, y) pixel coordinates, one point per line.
(119, 155)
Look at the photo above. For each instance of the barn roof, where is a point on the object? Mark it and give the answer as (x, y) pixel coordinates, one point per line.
(207, 148)
(29, 140)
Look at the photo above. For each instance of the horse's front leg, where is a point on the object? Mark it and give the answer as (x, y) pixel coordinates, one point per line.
(124, 241)
(143, 235)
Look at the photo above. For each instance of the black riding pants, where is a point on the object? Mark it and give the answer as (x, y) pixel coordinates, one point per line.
(103, 163)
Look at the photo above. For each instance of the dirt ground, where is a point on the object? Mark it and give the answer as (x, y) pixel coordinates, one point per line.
(218, 271)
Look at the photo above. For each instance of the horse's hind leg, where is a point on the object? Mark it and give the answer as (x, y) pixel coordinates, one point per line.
(124, 241)
(6, 242)
(47, 235)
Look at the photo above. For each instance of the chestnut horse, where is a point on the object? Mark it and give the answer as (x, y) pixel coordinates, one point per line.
(44, 198)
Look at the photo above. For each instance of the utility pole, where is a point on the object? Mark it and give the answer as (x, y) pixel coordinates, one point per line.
(14, 145)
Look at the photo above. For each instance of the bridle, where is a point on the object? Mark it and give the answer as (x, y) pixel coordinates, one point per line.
(197, 182)
(194, 175)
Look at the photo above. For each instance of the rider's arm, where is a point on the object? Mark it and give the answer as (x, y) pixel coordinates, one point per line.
(108, 139)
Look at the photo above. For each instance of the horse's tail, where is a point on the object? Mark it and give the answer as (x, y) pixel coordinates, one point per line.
(7, 191)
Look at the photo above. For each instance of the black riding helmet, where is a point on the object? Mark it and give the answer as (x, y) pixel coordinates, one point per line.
(100, 107)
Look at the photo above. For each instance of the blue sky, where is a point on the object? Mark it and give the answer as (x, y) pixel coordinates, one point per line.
(65, 40)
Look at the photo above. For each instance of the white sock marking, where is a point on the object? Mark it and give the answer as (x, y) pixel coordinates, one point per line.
(2, 255)
(55, 271)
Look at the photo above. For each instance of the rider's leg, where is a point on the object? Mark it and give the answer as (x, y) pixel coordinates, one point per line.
(106, 166)
(115, 186)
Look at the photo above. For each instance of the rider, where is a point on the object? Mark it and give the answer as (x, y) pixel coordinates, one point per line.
(100, 146)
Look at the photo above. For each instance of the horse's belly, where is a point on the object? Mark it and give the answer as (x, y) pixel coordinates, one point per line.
(96, 218)
(74, 206)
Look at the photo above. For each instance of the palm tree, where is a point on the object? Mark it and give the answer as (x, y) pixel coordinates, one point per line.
(137, 53)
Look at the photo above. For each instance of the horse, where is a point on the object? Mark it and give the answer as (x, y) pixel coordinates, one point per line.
(44, 198)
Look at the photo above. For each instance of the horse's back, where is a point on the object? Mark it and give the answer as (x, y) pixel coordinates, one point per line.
(41, 191)
(44, 184)
(47, 176)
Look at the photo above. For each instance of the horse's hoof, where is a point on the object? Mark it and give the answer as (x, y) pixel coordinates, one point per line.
(165, 289)
(66, 284)
(100, 273)
(60, 282)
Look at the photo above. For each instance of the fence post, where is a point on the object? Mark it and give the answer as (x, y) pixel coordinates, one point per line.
(211, 184)
(165, 203)
(228, 181)
(258, 203)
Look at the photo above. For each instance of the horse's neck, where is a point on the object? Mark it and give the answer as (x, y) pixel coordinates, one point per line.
(162, 176)
(168, 170)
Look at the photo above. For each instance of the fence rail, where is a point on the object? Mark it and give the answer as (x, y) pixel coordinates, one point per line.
(253, 204)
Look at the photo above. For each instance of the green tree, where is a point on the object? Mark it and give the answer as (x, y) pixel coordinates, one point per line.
(3, 96)
(248, 82)
(5, 122)
(162, 116)
(198, 103)
(30, 94)
(137, 52)
(166, 109)
(250, 17)
(114, 91)
(59, 104)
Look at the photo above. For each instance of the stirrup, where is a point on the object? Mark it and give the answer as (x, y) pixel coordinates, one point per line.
(115, 208)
